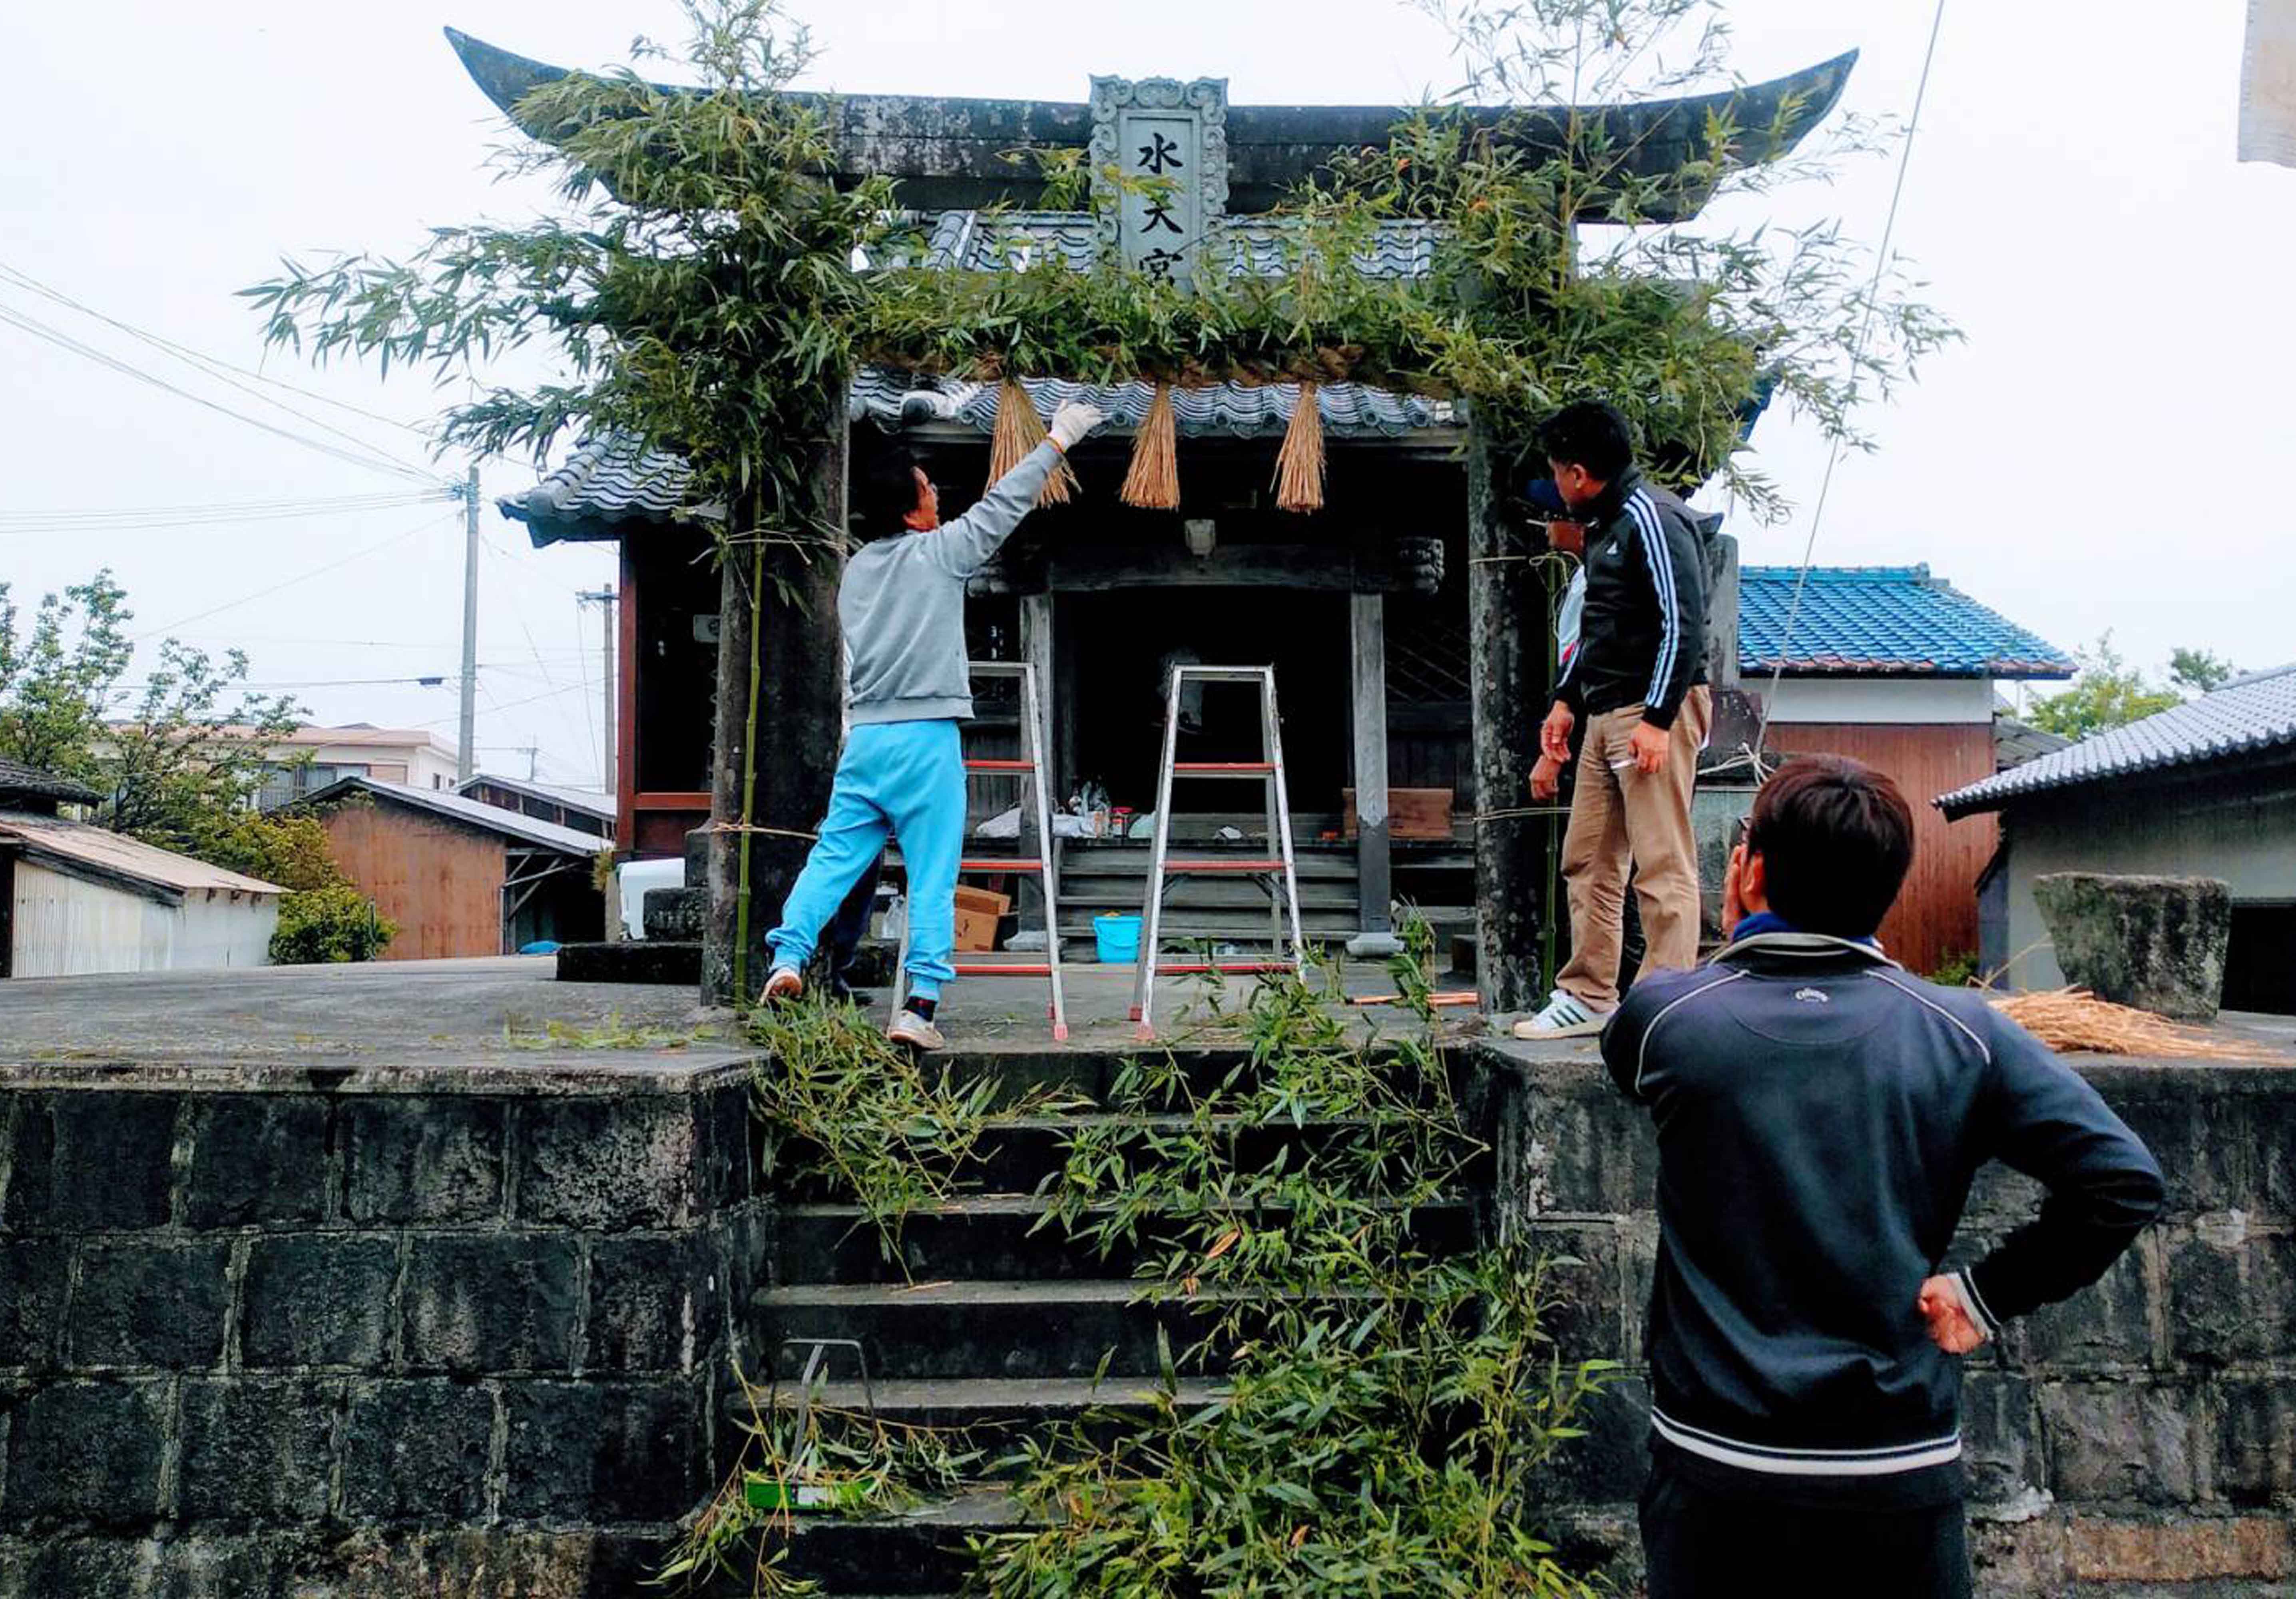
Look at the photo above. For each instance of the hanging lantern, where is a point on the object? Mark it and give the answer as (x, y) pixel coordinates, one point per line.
(1153, 482)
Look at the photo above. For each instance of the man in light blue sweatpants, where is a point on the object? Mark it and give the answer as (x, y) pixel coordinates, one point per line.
(901, 607)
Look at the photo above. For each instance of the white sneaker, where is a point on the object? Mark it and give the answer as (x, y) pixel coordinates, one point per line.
(909, 1028)
(786, 983)
(1566, 1016)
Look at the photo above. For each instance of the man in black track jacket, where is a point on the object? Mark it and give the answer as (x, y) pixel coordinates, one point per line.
(1638, 681)
(1820, 1117)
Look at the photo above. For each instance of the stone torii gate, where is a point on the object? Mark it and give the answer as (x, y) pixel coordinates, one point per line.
(949, 154)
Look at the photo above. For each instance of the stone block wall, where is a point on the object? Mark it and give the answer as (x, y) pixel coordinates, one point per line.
(2138, 1439)
(325, 1333)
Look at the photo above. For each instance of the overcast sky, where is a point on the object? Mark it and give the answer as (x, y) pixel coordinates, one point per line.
(2099, 454)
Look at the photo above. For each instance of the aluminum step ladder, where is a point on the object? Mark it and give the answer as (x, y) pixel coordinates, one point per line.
(1029, 769)
(1283, 909)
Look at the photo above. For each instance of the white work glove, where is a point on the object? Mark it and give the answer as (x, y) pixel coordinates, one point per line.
(1073, 420)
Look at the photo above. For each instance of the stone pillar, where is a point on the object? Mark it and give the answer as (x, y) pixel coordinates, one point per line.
(800, 712)
(1508, 656)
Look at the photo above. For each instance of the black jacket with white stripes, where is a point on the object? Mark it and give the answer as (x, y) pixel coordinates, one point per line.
(1821, 1115)
(1641, 637)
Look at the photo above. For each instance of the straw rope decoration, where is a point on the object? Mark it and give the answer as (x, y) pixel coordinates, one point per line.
(1018, 431)
(2072, 1021)
(1299, 464)
(1153, 481)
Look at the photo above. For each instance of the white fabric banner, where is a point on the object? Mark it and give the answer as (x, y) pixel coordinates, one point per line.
(2267, 84)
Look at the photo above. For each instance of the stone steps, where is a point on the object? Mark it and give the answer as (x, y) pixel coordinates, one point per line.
(989, 1320)
(994, 1237)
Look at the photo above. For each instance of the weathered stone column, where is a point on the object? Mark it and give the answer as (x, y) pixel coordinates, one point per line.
(799, 714)
(1508, 654)
(1375, 860)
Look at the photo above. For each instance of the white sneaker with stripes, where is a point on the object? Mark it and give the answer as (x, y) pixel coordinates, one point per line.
(1566, 1016)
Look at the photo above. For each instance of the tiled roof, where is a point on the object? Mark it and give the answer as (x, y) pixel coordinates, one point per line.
(1230, 410)
(609, 482)
(1251, 246)
(17, 778)
(605, 482)
(1884, 621)
(2245, 716)
(461, 807)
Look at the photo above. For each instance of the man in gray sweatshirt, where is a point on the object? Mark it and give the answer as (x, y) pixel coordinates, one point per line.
(901, 608)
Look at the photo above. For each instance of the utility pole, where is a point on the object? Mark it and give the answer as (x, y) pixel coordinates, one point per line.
(467, 746)
(605, 598)
(533, 761)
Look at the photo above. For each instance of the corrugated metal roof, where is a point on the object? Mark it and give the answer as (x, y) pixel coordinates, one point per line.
(115, 854)
(1882, 620)
(461, 807)
(2245, 716)
(601, 805)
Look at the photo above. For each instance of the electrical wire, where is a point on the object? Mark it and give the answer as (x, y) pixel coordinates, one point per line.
(1858, 353)
(129, 519)
(208, 364)
(317, 571)
(13, 317)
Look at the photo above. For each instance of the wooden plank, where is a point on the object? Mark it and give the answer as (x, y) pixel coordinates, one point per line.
(1416, 815)
(1935, 917)
(1367, 669)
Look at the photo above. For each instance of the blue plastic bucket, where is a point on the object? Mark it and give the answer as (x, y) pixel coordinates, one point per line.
(1116, 939)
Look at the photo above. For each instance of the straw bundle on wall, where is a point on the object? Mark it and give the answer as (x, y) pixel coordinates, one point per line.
(1299, 464)
(1020, 430)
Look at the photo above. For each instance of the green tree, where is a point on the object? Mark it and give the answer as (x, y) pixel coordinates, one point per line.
(2200, 671)
(2108, 693)
(56, 683)
(174, 762)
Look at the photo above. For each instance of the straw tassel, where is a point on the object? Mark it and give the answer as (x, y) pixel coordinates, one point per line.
(1018, 431)
(1299, 464)
(1153, 482)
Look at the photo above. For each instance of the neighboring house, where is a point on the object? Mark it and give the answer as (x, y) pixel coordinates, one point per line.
(2206, 789)
(410, 756)
(592, 813)
(1897, 669)
(77, 899)
(461, 877)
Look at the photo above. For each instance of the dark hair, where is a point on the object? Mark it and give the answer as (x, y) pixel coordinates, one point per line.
(884, 491)
(1835, 837)
(1591, 433)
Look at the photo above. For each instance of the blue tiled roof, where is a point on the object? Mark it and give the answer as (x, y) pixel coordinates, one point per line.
(2245, 716)
(1881, 621)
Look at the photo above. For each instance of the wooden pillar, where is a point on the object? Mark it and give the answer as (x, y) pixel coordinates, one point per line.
(778, 611)
(1508, 656)
(1367, 674)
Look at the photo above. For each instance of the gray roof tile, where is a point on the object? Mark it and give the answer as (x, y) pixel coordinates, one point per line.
(2245, 716)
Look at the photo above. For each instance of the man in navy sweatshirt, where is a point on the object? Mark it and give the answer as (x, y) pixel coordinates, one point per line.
(1821, 1115)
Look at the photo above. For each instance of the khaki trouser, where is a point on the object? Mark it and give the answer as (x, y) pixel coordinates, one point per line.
(1620, 816)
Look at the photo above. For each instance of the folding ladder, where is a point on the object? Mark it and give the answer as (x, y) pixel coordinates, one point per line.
(1029, 769)
(1269, 772)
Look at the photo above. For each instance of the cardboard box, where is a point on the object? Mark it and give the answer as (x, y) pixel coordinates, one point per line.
(978, 913)
(1411, 813)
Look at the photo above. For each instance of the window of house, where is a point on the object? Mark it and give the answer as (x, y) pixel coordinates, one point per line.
(283, 786)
